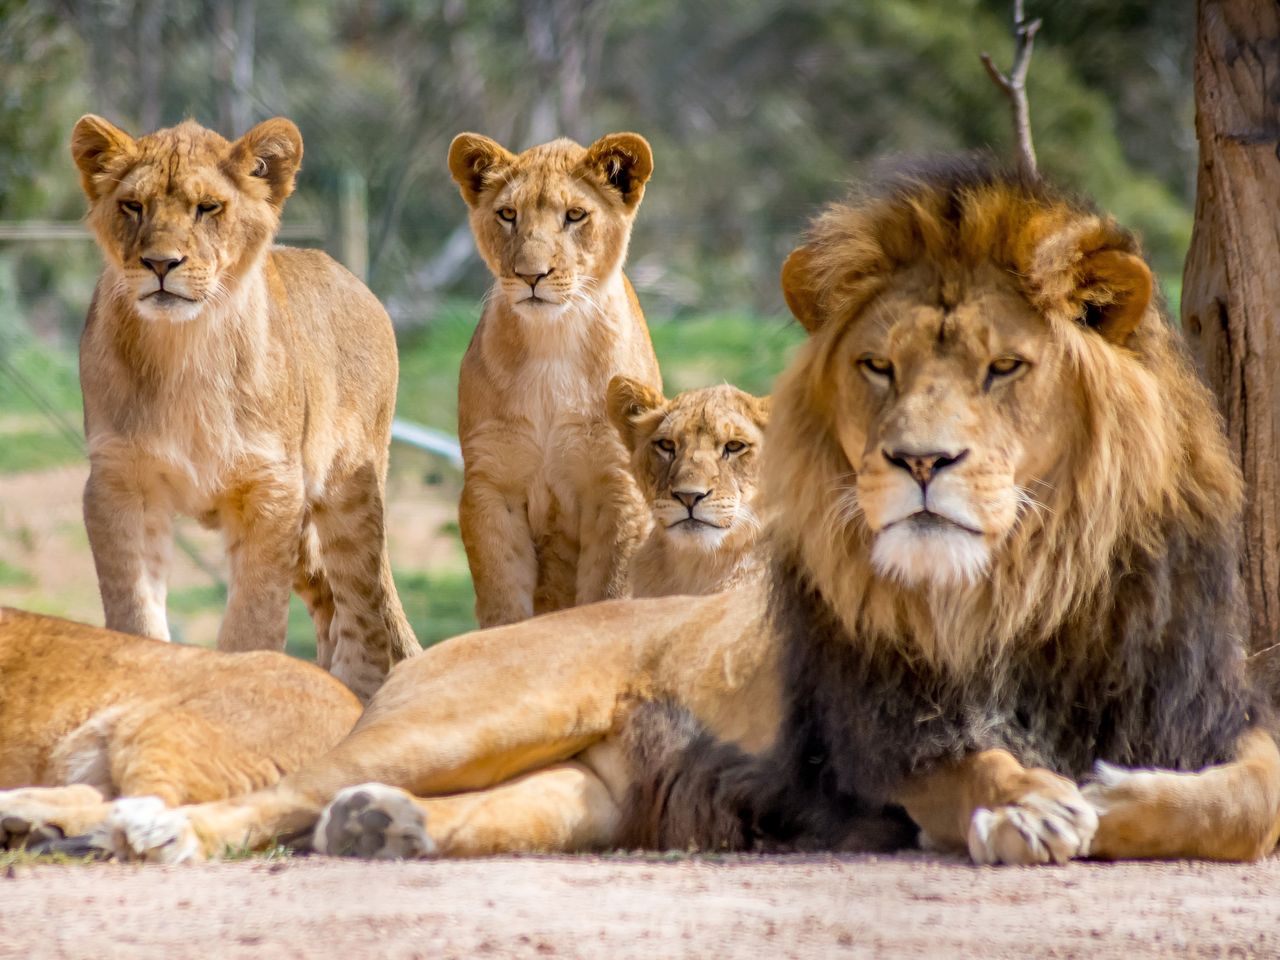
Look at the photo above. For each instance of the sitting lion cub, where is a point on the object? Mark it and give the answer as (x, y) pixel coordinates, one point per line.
(549, 512)
(247, 385)
(697, 460)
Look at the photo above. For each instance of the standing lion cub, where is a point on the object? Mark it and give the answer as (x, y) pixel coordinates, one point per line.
(550, 513)
(247, 385)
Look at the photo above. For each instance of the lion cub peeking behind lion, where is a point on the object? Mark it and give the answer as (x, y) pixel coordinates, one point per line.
(549, 512)
(247, 385)
(696, 458)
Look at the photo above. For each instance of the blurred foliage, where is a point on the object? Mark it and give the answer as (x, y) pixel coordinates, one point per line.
(759, 112)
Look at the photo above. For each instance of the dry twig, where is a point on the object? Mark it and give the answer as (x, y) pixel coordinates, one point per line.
(1014, 85)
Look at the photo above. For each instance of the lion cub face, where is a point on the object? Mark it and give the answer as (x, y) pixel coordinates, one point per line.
(696, 457)
(553, 222)
(181, 214)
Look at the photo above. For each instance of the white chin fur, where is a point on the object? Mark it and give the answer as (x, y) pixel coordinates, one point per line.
(943, 556)
(698, 536)
(182, 312)
(545, 310)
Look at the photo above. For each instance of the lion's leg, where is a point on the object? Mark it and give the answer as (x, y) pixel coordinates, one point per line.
(499, 544)
(311, 584)
(1226, 812)
(613, 523)
(34, 814)
(370, 631)
(131, 537)
(563, 808)
(1001, 811)
(262, 522)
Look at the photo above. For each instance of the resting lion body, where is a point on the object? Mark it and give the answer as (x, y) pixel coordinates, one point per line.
(1002, 557)
(696, 460)
(549, 512)
(88, 715)
(247, 385)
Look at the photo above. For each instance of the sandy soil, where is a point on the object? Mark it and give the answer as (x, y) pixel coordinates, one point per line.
(904, 906)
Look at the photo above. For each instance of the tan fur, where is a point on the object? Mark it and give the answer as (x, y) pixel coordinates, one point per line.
(696, 458)
(506, 740)
(549, 511)
(257, 396)
(88, 715)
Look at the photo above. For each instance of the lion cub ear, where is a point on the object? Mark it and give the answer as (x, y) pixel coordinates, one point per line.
(628, 401)
(473, 160)
(623, 161)
(763, 406)
(272, 152)
(95, 143)
(1116, 288)
(799, 288)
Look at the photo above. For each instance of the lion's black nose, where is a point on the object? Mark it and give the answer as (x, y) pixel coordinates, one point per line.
(690, 498)
(532, 278)
(923, 466)
(162, 266)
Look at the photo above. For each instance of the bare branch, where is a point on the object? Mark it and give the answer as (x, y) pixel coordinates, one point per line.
(1014, 85)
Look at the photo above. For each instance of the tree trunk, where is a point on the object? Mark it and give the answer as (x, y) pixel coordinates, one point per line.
(1231, 285)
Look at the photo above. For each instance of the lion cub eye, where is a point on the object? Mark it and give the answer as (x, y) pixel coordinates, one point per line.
(1003, 367)
(507, 214)
(877, 368)
(575, 214)
(732, 447)
(666, 446)
(207, 208)
(131, 207)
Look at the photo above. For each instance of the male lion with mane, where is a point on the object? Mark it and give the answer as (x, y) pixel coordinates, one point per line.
(1003, 558)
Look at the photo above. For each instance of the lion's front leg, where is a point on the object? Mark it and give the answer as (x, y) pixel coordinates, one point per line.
(500, 552)
(32, 815)
(614, 520)
(131, 537)
(1225, 812)
(1001, 811)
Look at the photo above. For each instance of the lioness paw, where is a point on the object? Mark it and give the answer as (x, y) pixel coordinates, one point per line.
(1042, 827)
(375, 822)
(144, 829)
(24, 823)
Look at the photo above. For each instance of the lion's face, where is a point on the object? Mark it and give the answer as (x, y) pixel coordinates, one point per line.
(553, 222)
(949, 414)
(181, 215)
(695, 457)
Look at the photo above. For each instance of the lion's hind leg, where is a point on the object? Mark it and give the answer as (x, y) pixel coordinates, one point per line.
(1225, 812)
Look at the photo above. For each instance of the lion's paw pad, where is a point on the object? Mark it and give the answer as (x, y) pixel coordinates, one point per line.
(26, 826)
(143, 828)
(1037, 829)
(374, 822)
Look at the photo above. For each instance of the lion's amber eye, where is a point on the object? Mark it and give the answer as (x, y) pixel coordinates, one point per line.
(207, 208)
(878, 367)
(734, 446)
(131, 207)
(575, 214)
(665, 445)
(1001, 368)
(507, 214)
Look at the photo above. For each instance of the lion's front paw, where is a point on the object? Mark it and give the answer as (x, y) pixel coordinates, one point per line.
(1052, 823)
(24, 823)
(375, 822)
(143, 828)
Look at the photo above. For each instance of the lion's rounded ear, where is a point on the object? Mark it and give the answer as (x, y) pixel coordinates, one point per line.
(799, 288)
(473, 160)
(763, 407)
(272, 152)
(1116, 288)
(623, 161)
(95, 143)
(628, 400)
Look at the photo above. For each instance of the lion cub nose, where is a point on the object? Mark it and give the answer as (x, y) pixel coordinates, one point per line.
(690, 498)
(161, 266)
(532, 278)
(923, 466)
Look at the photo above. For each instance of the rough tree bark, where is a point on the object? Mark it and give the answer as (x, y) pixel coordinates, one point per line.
(1231, 285)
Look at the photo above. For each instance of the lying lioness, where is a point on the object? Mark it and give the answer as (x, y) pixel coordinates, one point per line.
(1003, 557)
(88, 715)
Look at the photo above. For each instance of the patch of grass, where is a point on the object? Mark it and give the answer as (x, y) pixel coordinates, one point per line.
(37, 450)
(276, 851)
(439, 604)
(10, 859)
(11, 576)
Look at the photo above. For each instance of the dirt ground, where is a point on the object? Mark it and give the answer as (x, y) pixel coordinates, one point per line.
(621, 908)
